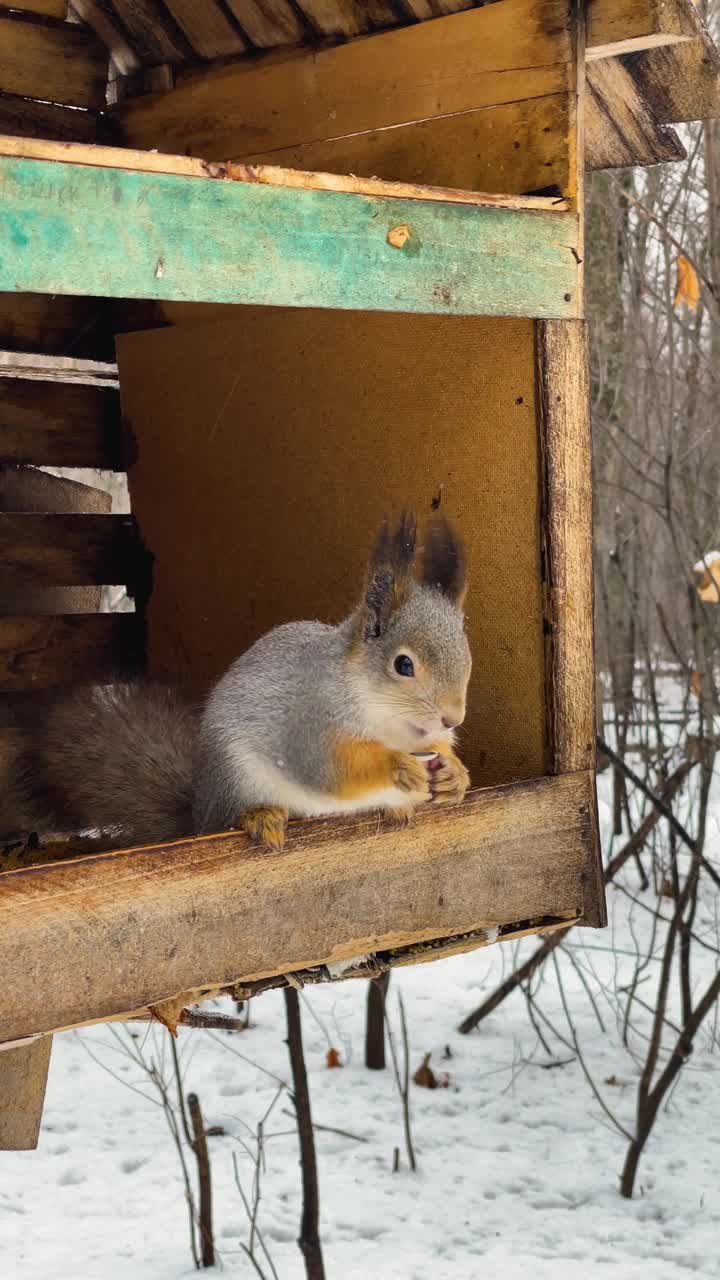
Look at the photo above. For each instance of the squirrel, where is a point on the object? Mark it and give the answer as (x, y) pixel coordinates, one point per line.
(312, 720)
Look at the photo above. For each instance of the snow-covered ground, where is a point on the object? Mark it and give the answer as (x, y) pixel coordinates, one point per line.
(518, 1164)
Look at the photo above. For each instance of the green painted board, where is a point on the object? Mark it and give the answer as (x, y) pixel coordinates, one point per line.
(81, 229)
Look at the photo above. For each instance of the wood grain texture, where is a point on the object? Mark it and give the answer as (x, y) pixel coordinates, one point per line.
(517, 147)
(29, 119)
(99, 936)
(91, 230)
(64, 550)
(125, 159)
(563, 405)
(60, 424)
(621, 129)
(619, 26)
(269, 25)
(459, 63)
(35, 367)
(151, 30)
(23, 1079)
(42, 653)
(48, 8)
(566, 449)
(58, 62)
(679, 83)
(98, 18)
(26, 489)
(207, 28)
(54, 325)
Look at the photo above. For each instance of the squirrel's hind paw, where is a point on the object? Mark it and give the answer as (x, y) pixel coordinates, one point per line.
(266, 827)
(399, 817)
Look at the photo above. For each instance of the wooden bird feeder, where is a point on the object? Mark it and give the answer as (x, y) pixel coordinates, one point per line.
(344, 275)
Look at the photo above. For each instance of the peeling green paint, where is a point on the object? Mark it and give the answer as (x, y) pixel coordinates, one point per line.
(69, 228)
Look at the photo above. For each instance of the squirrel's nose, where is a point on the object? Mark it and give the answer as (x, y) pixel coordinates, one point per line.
(450, 724)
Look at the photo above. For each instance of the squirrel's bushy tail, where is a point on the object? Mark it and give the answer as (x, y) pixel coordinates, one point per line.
(114, 760)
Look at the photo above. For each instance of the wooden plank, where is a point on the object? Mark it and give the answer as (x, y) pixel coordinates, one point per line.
(29, 119)
(48, 368)
(154, 35)
(459, 63)
(64, 550)
(59, 424)
(207, 28)
(58, 61)
(53, 325)
(680, 83)
(621, 129)
(48, 8)
(563, 405)
(125, 234)
(26, 489)
(266, 175)
(566, 448)
(269, 26)
(124, 60)
(23, 1079)
(518, 147)
(620, 26)
(42, 652)
(98, 936)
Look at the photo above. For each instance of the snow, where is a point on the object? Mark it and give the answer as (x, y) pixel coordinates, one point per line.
(518, 1165)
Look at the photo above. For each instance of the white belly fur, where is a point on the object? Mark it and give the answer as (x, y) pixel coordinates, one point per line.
(272, 787)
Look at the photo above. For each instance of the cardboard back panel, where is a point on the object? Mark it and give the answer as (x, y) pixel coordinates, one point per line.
(268, 444)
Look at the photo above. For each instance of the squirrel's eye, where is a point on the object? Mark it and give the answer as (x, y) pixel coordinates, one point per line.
(403, 665)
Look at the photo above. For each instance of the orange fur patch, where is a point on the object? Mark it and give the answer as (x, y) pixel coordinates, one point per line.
(361, 766)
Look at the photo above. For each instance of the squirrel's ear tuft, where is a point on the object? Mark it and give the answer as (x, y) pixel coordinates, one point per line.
(389, 575)
(443, 564)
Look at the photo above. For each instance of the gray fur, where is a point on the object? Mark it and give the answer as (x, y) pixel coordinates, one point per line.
(112, 759)
(305, 684)
(137, 764)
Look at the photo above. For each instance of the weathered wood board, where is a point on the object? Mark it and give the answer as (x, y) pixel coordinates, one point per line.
(38, 550)
(120, 233)
(56, 325)
(99, 936)
(60, 424)
(43, 652)
(497, 54)
(53, 61)
(517, 147)
(24, 117)
(23, 1078)
(621, 129)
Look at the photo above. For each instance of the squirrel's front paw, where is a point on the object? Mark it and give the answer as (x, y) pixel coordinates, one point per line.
(449, 782)
(412, 775)
(265, 826)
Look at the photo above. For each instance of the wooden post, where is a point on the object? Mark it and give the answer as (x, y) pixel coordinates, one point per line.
(23, 1077)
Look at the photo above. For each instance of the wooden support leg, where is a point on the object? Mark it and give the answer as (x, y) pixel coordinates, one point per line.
(23, 1077)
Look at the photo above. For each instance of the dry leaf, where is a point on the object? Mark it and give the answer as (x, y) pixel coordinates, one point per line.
(695, 683)
(688, 285)
(612, 1080)
(425, 1076)
(332, 1058)
(169, 1012)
